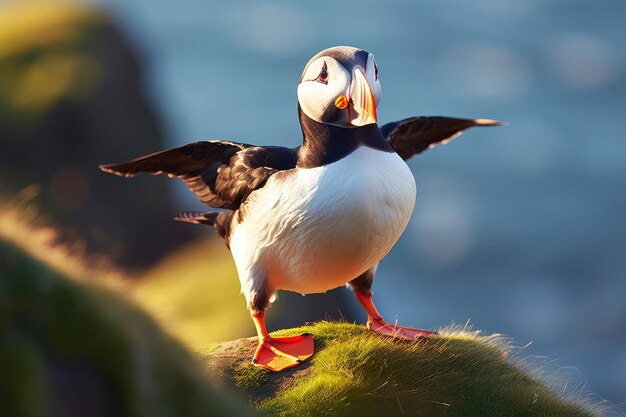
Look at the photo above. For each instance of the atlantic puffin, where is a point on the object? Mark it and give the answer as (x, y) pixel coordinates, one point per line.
(318, 216)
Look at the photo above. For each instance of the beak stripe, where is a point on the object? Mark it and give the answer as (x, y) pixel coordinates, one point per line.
(362, 103)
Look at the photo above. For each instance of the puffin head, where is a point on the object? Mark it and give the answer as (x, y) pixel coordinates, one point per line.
(340, 86)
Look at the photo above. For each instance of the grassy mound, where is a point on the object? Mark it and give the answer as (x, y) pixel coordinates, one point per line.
(357, 373)
(69, 346)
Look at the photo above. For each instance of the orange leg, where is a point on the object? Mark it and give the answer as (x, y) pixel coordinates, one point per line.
(376, 323)
(278, 353)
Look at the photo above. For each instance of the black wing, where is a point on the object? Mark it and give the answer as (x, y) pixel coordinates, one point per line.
(222, 174)
(416, 134)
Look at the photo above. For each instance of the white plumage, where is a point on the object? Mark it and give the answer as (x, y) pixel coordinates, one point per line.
(312, 230)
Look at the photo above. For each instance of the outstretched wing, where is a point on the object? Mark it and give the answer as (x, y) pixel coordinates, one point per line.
(416, 134)
(222, 174)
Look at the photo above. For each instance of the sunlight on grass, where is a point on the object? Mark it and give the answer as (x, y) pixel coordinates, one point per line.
(195, 293)
(20, 224)
(458, 373)
(72, 345)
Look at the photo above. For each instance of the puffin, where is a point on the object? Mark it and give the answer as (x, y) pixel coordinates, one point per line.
(316, 216)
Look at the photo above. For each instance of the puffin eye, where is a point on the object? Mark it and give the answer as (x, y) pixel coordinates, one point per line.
(323, 77)
(375, 72)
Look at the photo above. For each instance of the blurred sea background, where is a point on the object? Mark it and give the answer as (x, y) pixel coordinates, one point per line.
(519, 229)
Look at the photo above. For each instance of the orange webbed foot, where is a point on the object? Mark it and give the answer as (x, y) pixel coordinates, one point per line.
(278, 353)
(380, 326)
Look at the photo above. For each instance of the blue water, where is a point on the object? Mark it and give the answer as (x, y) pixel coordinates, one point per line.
(520, 229)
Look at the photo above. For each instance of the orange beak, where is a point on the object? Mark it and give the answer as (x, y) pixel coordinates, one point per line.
(362, 105)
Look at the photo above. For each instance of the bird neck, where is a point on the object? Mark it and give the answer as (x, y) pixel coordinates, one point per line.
(323, 144)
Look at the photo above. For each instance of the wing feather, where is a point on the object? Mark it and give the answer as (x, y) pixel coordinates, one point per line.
(416, 134)
(221, 173)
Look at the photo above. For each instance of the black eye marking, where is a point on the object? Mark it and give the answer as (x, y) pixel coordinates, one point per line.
(375, 72)
(323, 77)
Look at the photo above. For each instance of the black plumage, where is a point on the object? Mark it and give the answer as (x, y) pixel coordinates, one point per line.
(416, 134)
(323, 144)
(220, 220)
(222, 174)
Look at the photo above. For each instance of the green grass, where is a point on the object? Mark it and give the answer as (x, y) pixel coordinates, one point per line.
(251, 378)
(72, 344)
(357, 373)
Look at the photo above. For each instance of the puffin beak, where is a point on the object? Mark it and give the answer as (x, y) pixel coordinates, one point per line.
(362, 106)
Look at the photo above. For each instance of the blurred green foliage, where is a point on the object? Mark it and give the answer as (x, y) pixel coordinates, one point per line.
(46, 55)
(71, 346)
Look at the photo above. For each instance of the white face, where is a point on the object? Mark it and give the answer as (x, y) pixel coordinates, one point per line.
(329, 93)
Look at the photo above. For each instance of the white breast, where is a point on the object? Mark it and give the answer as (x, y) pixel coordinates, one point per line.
(316, 229)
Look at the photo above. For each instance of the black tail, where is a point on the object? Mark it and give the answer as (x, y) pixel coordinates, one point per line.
(197, 217)
(220, 220)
